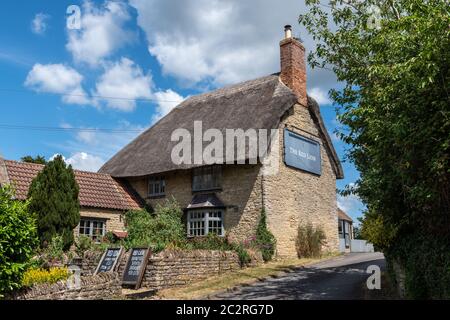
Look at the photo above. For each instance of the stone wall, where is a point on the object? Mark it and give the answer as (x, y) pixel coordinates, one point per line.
(294, 197)
(172, 268)
(169, 269)
(99, 287)
(241, 193)
(90, 262)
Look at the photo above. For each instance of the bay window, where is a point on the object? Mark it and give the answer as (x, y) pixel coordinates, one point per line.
(205, 221)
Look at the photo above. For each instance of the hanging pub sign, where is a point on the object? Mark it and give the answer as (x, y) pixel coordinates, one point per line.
(109, 260)
(302, 153)
(135, 267)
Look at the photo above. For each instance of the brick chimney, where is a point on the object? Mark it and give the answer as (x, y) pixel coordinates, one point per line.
(293, 65)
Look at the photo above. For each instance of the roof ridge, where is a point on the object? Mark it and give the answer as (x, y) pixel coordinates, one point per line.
(230, 89)
(42, 165)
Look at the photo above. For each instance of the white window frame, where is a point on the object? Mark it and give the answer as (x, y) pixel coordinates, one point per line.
(90, 227)
(156, 181)
(192, 217)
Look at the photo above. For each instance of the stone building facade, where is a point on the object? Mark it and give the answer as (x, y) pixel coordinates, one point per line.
(228, 198)
(103, 200)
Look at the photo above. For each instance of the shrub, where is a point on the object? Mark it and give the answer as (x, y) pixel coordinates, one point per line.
(309, 241)
(155, 230)
(55, 250)
(54, 198)
(265, 240)
(244, 256)
(83, 243)
(18, 239)
(210, 242)
(39, 276)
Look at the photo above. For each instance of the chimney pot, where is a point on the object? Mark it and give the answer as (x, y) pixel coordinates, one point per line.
(287, 31)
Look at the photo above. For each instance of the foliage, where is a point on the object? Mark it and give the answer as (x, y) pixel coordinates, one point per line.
(376, 231)
(54, 198)
(155, 230)
(309, 241)
(112, 239)
(395, 113)
(38, 276)
(210, 242)
(38, 159)
(265, 239)
(244, 256)
(82, 244)
(55, 249)
(18, 239)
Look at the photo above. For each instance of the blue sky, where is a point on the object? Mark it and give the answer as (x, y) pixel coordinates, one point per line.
(128, 65)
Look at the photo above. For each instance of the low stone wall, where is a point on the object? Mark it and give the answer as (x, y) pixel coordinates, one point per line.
(99, 287)
(90, 262)
(172, 268)
(169, 269)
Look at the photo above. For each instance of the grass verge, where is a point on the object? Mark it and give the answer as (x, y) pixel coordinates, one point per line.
(215, 284)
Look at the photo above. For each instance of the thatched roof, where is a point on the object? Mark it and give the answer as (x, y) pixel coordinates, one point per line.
(257, 104)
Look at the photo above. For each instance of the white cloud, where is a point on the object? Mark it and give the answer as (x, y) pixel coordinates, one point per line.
(350, 204)
(126, 80)
(320, 95)
(59, 79)
(102, 32)
(100, 143)
(221, 42)
(84, 161)
(167, 100)
(39, 23)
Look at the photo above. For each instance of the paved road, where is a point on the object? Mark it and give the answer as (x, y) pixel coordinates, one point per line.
(339, 278)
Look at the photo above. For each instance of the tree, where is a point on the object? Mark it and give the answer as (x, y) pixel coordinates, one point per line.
(18, 239)
(54, 198)
(155, 230)
(393, 59)
(38, 159)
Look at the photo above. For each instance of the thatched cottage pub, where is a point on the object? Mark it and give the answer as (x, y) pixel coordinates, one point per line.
(297, 185)
(227, 197)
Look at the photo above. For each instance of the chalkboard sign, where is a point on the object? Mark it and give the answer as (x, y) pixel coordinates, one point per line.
(109, 260)
(135, 267)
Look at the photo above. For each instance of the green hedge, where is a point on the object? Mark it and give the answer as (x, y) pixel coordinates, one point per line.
(426, 261)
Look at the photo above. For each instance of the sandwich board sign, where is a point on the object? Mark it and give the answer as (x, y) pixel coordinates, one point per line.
(109, 260)
(135, 267)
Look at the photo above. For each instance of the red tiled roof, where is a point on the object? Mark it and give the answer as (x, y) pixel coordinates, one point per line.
(343, 216)
(97, 190)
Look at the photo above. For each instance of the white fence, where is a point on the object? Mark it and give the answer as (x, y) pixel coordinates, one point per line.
(356, 246)
(361, 246)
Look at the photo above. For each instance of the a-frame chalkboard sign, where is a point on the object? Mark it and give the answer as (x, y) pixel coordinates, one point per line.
(135, 267)
(109, 260)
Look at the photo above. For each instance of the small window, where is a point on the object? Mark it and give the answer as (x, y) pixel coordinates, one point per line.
(93, 228)
(203, 222)
(156, 187)
(207, 178)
